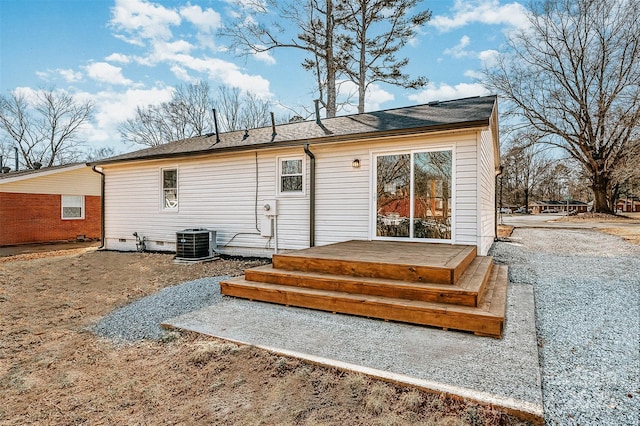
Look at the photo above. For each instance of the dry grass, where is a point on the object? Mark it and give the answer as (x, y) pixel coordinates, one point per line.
(600, 218)
(630, 234)
(504, 231)
(55, 372)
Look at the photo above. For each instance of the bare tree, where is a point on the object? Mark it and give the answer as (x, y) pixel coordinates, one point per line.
(316, 22)
(189, 114)
(352, 39)
(239, 110)
(46, 130)
(186, 115)
(526, 165)
(95, 154)
(374, 31)
(572, 77)
(626, 177)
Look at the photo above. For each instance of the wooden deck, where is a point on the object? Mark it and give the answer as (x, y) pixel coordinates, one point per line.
(440, 285)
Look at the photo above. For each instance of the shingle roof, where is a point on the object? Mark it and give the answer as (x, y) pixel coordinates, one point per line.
(435, 116)
(26, 173)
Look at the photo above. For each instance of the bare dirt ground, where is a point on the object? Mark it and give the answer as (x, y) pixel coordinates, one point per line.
(54, 371)
(504, 231)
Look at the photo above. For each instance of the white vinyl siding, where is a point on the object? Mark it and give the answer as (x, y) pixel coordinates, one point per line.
(342, 193)
(218, 192)
(466, 191)
(486, 190)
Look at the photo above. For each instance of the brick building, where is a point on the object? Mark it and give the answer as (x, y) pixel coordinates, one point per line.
(57, 203)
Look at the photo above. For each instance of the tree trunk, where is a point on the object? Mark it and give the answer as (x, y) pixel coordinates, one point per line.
(362, 69)
(600, 187)
(330, 60)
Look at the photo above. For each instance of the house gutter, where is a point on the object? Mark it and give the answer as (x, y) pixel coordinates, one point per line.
(495, 209)
(268, 144)
(312, 196)
(102, 232)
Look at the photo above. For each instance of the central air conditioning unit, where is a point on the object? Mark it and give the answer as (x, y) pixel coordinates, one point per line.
(195, 245)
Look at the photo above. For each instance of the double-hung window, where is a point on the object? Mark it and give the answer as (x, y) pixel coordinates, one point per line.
(169, 189)
(72, 207)
(290, 176)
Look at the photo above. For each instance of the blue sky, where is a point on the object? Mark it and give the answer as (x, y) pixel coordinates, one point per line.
(125, 53)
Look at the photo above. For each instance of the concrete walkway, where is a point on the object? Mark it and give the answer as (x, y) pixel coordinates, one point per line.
(502, 372)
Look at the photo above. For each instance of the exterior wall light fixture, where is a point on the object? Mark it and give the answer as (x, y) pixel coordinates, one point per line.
(355, 164)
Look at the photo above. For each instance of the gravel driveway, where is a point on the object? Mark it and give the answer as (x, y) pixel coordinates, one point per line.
(587, 291)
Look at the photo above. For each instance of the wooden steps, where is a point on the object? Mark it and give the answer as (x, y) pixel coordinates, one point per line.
(386, 280)
(382, 259)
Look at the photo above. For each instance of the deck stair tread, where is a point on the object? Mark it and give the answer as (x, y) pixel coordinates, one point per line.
(447, 286)
(487, 320)
(466, 292)
(383, 259)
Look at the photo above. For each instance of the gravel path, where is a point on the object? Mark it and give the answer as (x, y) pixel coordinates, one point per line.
(142, 318)
(587, 291)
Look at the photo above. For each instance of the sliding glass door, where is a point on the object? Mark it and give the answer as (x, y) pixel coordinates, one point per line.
(414, 194)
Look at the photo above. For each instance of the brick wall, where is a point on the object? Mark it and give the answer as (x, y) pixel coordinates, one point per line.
(29, 218)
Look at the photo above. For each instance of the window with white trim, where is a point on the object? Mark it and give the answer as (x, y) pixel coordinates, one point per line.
(72, 207)
(169, 189)
(290, 176)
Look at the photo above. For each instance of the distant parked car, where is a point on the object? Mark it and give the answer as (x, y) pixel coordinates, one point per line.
(549, 211)
(506, 210)
(521, 210)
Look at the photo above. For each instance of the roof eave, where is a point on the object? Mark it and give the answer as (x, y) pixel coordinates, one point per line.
(299, 142)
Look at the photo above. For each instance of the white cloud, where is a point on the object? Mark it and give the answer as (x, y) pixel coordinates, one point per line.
(445, 92)
(473, 74)
(140, 20)
(458, 51)
(489, 58)
(30, 95)
(118, 57)
(112, 108)
(182, 74)
(70, 75)
(43, 75)
(223, 71)
(374, 97)
(107, 73)
(265, 57)
(205, 21)
(482, 11)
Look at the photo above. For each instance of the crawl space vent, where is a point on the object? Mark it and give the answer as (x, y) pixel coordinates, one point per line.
(195, 244)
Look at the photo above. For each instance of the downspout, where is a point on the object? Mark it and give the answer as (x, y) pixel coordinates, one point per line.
(312, 196)
(102, 232)
(495, 210)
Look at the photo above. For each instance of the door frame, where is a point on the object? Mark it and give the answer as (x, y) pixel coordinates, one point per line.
(373, 175)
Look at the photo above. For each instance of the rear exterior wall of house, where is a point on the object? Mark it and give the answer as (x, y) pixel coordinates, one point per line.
(226, 193)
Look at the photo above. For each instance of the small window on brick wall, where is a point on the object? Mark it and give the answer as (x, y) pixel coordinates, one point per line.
(73, 207)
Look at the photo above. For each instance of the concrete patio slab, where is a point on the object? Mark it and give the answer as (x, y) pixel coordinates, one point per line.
(504, 372)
